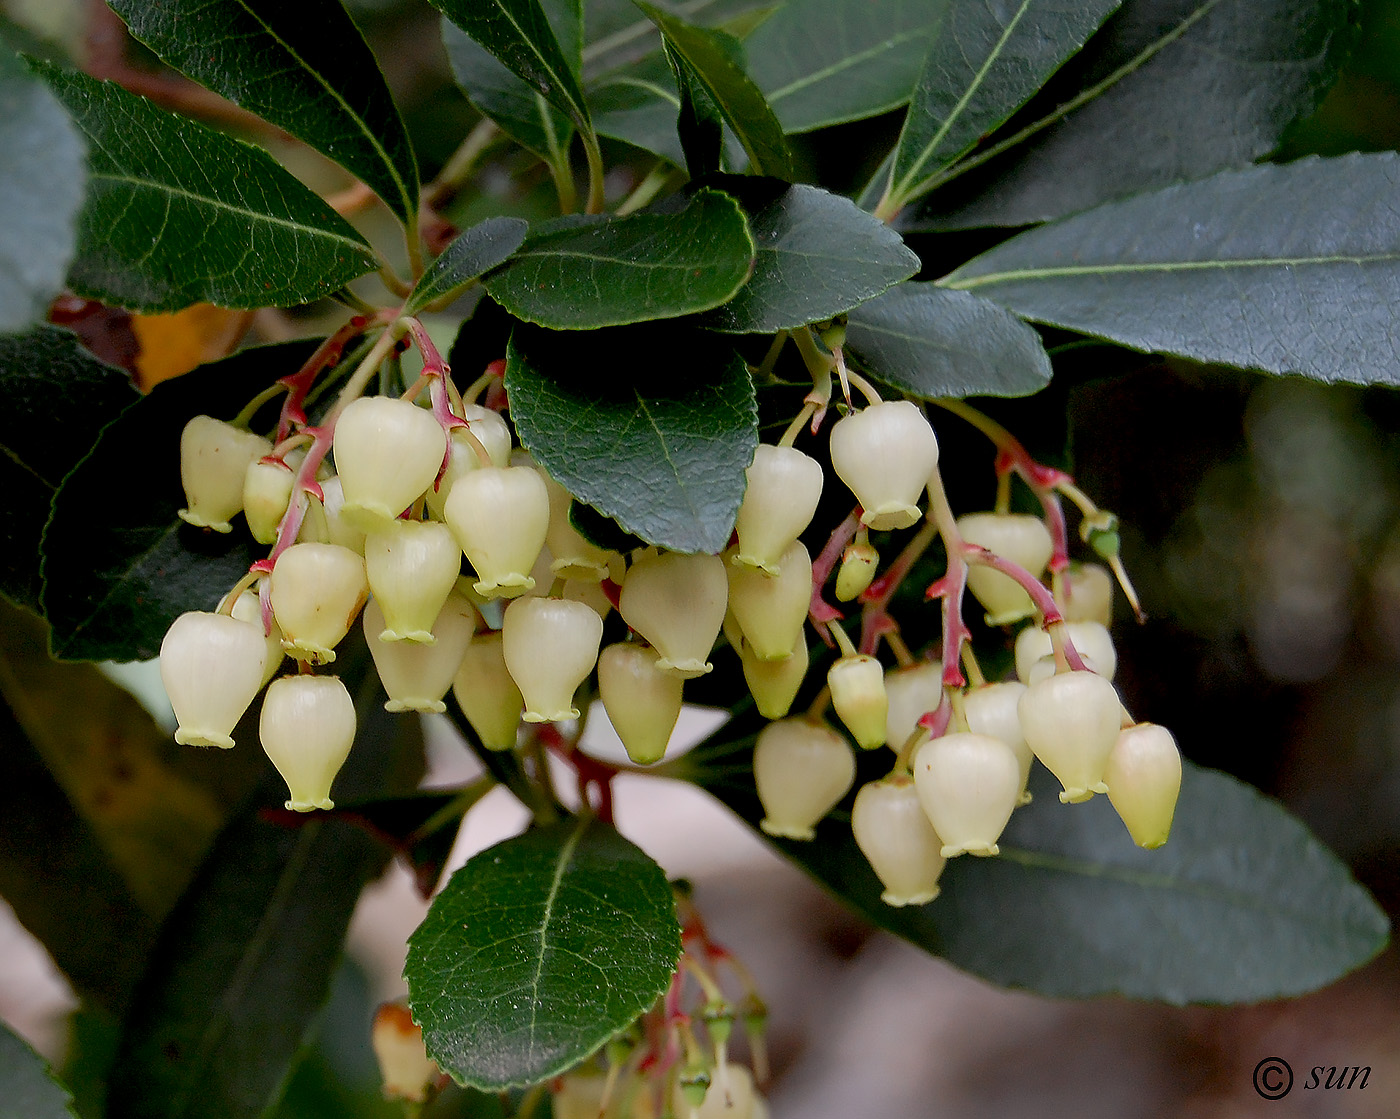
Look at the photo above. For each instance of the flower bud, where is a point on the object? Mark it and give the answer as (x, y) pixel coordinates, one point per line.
(772, 609)
(1018, 537)
(307, 728)
(1071, 722)
(267, 491)
(214, 457)
(802, 769)
(911, 692)
(967, 784)
(893, 833)
(1047, 666)
(387, 453)
(493, 434)
(677, 603)
(411, 567)
(857, 686)
(317, 592)
(1144, 779)
(486, 693)
(247, 607)
(774, 684)
(550, 647)
(993, 710)
(499, 516)
(1086, 594)
(731, 1095)
(404, 1065)
(643, 703)
(857, 571)
(416, 675)
(885, 454)
(212, 667)
(574, 557)
(783, 486)
(1090, 639)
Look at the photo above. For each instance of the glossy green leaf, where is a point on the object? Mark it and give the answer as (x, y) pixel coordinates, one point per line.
(818, 255)
(699, 122)
(29, 1085)
(178, 213)
(524, 39)
(49, 383)
(932, 342)
(712, 60)
(304, 67)
(1242, 904)
(986, 61)
(617, 34)
(471, 253)
(244, 962)
(579, 273)
(652, 426)
(41, 181)
(538, 951)
(1175, 90)
(1289, 269)
(115, 580)
(639, 105)
(823, 62)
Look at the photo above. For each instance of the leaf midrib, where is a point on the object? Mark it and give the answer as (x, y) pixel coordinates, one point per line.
(846, 63)
(577, 111)
(565, 857)
(990, 278)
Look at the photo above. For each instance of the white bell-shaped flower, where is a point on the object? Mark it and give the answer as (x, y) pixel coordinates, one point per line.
(643, 703)
(772, 609)
(411, 566)
(317, 591)
(1018, 537)
(1090, 639)
(774, 684)
(573, 556)
(267, 491)
(307, 728)
(212, 667)
(325, 522)
(214, 458)
(416, 675)
(911, 692)
(885, 454)
(994, 710)
(499, 516)
(387, 454)
(677, 602)
(967, 784)
(1086, 594)
(550, 646)
(857, 571)
(893, 833)
(783, 488)
(406, 1070)
(487, 694)
(247, 607)
(1071, 721)
(590, 593)
(729, 1096)
(802, 769)
(1144, 780)
(493, 434)
(857, 684)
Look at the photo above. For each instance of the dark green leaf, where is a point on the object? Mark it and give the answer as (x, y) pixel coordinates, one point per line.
(1242, 903)
(818, 255)
(29, 1086)
(477, 250)
(304, 67)
(519, 34)
(585, 272)
(49, 384)
(742, 103)
(538, 951)
(652, 426)
(1205, 85)
(822, 62)
(699, 122)
(178, 213)
(244, 962)
(41, 181)
(985, 63)
(639, 106)
(1289, 269)
(618, 35)
(119, 565)
(932, 342)
(519, 109)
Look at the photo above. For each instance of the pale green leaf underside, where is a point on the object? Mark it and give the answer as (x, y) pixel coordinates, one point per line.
(471, 253)
(30, 1088)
